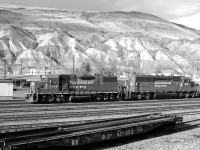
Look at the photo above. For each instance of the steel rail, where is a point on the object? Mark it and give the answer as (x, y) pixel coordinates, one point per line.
(2, 102)
(57, 107)
(66, 114)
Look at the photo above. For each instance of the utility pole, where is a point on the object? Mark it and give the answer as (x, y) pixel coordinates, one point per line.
(21, 67)
(73, 62)
(3, 58)
(51, 66)
(4, 77)
(73, 54)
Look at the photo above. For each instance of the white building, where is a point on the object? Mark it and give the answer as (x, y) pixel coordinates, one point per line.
(40, 71)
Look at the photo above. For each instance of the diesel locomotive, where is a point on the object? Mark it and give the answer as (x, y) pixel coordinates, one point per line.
(75, 88)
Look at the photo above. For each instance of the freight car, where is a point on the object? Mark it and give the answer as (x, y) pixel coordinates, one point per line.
(74, 88)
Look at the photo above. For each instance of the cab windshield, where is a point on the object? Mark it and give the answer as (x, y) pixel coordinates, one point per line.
(42, 84)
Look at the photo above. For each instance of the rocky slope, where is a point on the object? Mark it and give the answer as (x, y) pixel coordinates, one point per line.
(112, 42)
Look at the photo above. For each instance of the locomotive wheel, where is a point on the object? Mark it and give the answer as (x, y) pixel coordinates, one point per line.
(94, 98)
(69, 98)
(105, 97)
(119, 96)
(113, 97)
(193, 95)
(153, 96)
(31, 99)
(51, 98)
(139, 96)
(66, 98)
(100, 98)
(44, 99)
(148, 96)
(187, 95)
(58, 99)
(180, 95)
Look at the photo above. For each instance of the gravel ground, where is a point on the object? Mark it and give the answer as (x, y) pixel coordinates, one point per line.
(187, 140)
(184, 140)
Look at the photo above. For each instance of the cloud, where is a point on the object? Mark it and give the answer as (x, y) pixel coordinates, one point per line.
(185, 12)
(186, 8)
(164, 8)
(168, 9)
(66, 4)
(190, 21)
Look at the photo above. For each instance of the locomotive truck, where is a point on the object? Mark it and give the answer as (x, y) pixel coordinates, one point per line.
(75, 88)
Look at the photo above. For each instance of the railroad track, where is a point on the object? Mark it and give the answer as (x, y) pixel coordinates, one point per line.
(23, 103)
(43, 122)
(82, 106)
(70, 114)
(11, 120)
(94, 106)
(5, 113)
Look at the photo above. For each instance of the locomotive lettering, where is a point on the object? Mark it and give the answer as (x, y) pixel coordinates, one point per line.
(162, 82)
(160, 85)
(78, 81)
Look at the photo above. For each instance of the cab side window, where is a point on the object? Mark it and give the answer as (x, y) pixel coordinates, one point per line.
(52, 83)
(192, 84)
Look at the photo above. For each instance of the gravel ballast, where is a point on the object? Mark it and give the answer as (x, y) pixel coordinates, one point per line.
(183, 140)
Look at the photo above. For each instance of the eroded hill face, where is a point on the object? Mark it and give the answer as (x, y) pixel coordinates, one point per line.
(115, 42)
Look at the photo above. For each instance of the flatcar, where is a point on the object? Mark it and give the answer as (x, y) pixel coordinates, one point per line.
(74, 88)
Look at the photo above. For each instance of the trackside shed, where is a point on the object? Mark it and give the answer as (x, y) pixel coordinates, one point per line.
(6, 89)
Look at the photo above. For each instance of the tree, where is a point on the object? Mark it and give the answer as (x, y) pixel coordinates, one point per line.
(85, 69)
(3, 59)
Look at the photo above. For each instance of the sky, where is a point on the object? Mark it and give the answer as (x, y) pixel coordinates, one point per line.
(186, 12)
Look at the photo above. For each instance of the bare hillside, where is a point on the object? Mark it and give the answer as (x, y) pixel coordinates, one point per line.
(112, 42)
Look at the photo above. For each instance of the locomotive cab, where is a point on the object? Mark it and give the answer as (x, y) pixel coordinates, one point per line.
(41, 91)
(34, 89)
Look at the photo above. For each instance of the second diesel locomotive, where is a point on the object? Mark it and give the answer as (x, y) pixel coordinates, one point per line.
(74, 88)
